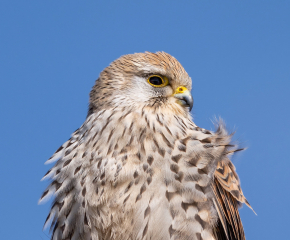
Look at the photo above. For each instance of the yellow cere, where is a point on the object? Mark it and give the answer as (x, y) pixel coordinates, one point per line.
(180, 89)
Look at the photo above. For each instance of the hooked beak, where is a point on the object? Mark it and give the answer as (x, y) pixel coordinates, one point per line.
(184, 97)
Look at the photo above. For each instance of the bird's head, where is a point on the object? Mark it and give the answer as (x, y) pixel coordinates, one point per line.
(142, 79)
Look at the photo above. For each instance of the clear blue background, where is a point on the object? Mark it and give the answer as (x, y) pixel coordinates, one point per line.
(237, 53)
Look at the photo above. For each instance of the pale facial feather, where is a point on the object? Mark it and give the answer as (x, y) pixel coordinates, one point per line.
(124, 81)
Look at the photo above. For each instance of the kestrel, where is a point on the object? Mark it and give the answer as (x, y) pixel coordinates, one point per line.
(139, 167)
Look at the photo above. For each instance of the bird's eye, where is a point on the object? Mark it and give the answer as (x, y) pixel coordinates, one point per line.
(157, 81)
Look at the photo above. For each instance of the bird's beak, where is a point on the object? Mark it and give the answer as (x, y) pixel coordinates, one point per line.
(184, 97)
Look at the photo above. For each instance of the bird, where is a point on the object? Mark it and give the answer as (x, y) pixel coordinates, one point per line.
(139, 167)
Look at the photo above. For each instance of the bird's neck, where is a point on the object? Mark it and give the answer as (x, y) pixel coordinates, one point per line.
(134, 130)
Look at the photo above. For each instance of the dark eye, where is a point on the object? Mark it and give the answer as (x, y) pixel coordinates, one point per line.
(157, 81)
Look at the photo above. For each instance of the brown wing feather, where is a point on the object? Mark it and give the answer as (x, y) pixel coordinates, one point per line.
(228, 197)
(229, 226)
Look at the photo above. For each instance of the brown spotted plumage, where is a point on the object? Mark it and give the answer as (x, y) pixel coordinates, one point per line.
(139, 168)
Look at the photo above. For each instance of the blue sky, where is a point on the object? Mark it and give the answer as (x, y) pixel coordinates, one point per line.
(237, 53)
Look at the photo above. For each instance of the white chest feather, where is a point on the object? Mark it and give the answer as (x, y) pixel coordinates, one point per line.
(136, 175)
